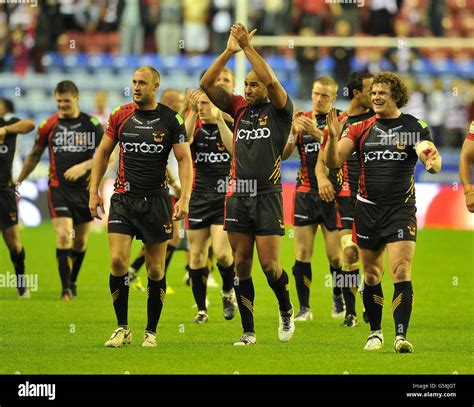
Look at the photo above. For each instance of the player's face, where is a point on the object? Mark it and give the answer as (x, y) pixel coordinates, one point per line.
(66, 104)
(144, 89)
(3, 110)
(323, 96)
(382, 101)
(226, 80)
(255, 91)
(204, 108)
(366, 94)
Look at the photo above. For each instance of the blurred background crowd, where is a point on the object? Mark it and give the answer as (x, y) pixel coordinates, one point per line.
(98, 43)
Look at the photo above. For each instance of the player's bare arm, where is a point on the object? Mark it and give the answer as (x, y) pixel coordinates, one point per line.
(429, 156)
(293, 137)
(182, 153)
(276, 93)
(99, 166)
(21, 127)
(325, 187)
(173, 181)
(78, 170)
(31, 161)
(192, 116)
(337, 152)
(226, 134)
(465, 172)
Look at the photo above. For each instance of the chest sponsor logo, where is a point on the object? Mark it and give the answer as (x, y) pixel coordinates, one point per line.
(73, 141)
(143, 148)
(312, 147)
(253, 134)
(386, 155)
(202, 157)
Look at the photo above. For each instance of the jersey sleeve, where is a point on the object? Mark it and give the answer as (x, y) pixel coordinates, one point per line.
(178, 131)
(237, 103)
(97, 129)
(286, 113)
(111, 130)
(42, 135)
(424, 131)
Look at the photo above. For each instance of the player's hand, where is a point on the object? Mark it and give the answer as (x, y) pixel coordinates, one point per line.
(181, 208)
(296, 122)
(470, 201)
(241, 36)
(216, 114)
(96, 203)
(335, 126)
(309, 126)
(326, 189)
(75, 172)
(194, 96)
(429, 156)
(3, 134)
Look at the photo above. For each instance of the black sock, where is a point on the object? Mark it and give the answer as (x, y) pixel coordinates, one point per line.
(227, 274)
(138, 262)
(77, 258)
(119, 290)
(63, 256)
(198, 280)
(169, 254)
(245, 296)
(281, 290)
(349, 290)
(401, 306)
(303, 278)
(18, 260)
(156, 298)
(336, 278)
(373, 303)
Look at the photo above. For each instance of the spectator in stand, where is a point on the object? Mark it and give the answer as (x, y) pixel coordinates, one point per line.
(342, 55)
(311, 13)
(221, 20)
(132, 31)
(455, 103)
(436, 111)
(168, 33)
(306, 58)
(196, 32)
(382, 13)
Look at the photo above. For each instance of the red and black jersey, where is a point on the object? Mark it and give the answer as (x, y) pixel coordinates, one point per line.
(7, 152)
(145, 138)
(69, 142)
(260, 135)
(470, 134)
(211, 160)
(386, 152)
(308, 149)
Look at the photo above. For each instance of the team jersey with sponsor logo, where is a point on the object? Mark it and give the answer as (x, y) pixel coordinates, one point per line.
(260, 135)
(69, 142)
(145, 139)
(211, 160)
(470, 135)
(386, 152)
(7, 152)
(308, 149)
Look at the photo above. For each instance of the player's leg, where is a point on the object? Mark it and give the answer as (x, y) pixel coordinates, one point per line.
(155, 258)
(120, 246)
(242, 250)
(79, 247)
(268, 250)
(350, 273)
(11, 235)
(63, 227)
(225, 263)
(372, 262)
(134, 268)
(304, 244)
(400, 255)
(198, 272)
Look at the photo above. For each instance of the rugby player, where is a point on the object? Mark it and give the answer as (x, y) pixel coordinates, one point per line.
(254, 203)
(72, 137)
(465, 167)
(146, 131)
(387, 145)
(10, 127)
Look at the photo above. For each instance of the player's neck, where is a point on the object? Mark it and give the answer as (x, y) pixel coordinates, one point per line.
(355, 110)
(149, 106)
(208, 121)
(73, 115)
(393, 114)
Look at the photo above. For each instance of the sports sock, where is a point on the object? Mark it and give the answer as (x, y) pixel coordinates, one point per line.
(63, 256)
(335, 273)
(373, 303)
(280, 288)
(303, 278)
(18, 260)
(77, 258)
(349, 290)
(198, 280)
(245, 296)
(156, 298)
(401, 306)
(227, 274)
(119, 290)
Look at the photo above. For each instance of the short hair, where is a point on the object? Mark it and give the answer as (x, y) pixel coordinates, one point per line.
(9, 105)
(327, 81)
(154, 73)
(356, 81)
(166, 93)
(398, 89)
(67, 87)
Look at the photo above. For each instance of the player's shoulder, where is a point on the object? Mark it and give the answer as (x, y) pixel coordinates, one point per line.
(87, 118)
(49, 122)
(169, 115)
(123, 110)
(412, 121)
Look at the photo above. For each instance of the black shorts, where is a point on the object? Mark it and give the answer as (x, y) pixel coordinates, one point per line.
(205, 209)
(8, 208)
(261, 214)
(346, 211)
(69, 203)
(310, 209)
(377, 225)
(149, 219)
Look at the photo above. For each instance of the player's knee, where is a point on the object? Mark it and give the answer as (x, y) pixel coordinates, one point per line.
(372, 275)
(271, 269)
(79, 244)
(350, 255)
(119, 265)
(402, 271)
(155, 271)
(197, 258)
(14, 246)
(335, 261)
(223, 257)
(243, 267)
(304, 254)
(64, 238)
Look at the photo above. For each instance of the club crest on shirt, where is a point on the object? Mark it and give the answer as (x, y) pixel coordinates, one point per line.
(158, 136)
(168, 227)
(400, 146)
(13, 216)
(262, 120)
(220, 145)
(411, 230)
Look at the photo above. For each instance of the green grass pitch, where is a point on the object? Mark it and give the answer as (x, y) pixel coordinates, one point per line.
(46, 336)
